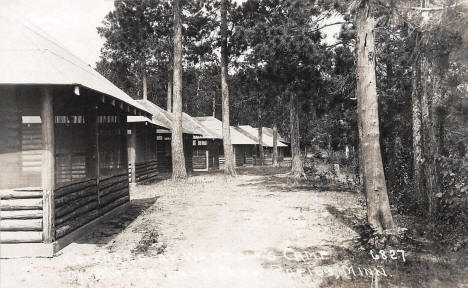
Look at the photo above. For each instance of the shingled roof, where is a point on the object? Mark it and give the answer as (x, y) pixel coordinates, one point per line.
(165, 119)
(30, 56)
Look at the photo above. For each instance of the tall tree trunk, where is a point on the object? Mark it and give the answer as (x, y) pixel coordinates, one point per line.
(418, 173)
(214, 104)
(178, 160)
(432, 126)
(297, 169)
(378, 208)
(260, 145)
(229, 168)
(275, 146)
(169, 92)
(145, 86)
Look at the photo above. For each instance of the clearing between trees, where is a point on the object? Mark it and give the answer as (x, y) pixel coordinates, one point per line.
(255, 230)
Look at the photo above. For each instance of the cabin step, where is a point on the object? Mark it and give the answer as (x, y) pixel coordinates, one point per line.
(21, 204)
(20, 194)
(20, 225)
(21, 214)
(20, 237)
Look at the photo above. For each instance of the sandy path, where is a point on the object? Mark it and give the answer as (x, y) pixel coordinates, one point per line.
(214, 233)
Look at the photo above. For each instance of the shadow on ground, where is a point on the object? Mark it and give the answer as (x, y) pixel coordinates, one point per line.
(426, 264)
(111, 227)
(283, 183)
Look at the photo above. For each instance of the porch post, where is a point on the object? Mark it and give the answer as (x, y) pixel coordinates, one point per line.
(207, 159)
(48, 165)
(131, 153)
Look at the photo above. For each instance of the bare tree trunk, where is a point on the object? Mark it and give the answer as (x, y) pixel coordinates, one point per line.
(145, 86)
(378, 208)
(229, 168)
(297, 169)
(361, 160)
(432, 127)
(417, 143)
(214, 104)
(275, 146)
(169, 93)
(260, 145)
(178, 160)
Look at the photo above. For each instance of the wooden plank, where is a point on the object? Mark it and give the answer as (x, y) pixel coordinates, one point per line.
(21, 225)
(21, 204)
(21, 214)
(14, 194)
(20, 236)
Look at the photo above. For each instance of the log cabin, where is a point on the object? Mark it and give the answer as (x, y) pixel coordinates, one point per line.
(267, 141)
(206, 148)
(243, 146)
(141, 142)
(164, 119)
(63, 146)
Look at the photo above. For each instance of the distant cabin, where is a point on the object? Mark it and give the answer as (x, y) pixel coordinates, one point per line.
(165, 120)
(142, 149)
(243, 146)
(267, 143)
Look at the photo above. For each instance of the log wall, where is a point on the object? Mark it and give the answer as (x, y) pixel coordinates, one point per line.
(21, 216)
(199, 161)
(80, 202)
(145, 171)
(76, 204)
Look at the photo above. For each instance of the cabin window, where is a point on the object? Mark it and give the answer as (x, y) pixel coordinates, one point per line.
(70, 148)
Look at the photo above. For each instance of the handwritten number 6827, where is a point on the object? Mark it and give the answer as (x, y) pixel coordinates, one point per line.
(393, 254)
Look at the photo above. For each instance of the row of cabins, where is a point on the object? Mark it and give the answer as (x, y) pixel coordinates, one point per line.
(71, 142)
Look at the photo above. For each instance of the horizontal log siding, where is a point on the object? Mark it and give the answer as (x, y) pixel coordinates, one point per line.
(20, 216)
(113, 192)
(80, 202)
(76, 204)
(199, 161)
(145, 171)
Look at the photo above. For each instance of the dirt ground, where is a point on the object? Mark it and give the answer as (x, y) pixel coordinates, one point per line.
(257, 230)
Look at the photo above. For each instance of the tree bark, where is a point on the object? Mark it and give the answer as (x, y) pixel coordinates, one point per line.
(178, 160)
(432, 127)
(378, 208)
(229, 168)
(275, 146)
(169, 93)
(418, 173)
(297, 169)
(145, 86)
(260, 145)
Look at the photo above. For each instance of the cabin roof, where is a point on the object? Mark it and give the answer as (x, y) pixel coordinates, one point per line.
(267, 140)
(31, 57)
(269, 131)
(165, 119)
(215, 126)
(140, 119)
